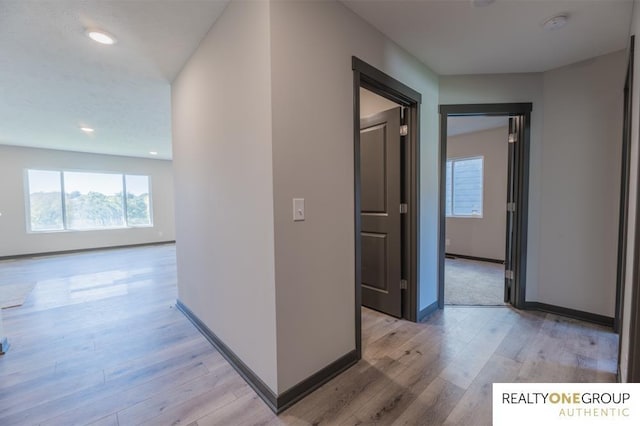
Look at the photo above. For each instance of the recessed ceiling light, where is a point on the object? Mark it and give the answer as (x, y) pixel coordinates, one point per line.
(556, 22)
(100, 36)
(87, 129)
(153, 152)
(481, 3)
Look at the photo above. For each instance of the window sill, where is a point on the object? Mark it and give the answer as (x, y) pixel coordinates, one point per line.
(58, 231)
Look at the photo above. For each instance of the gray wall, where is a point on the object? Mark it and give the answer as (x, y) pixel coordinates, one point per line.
(574, 175)
(283, 304)
(312, 44)
(224, 186)
(14, 161)
(580, 178)
(482, 236)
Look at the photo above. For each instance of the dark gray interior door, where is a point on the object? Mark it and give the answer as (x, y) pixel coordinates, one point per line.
(511, 256)
(380, 193)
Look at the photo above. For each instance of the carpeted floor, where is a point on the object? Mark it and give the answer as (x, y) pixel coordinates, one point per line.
(470, 282)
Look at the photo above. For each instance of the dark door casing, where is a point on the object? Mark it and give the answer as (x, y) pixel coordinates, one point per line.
(517, 196)
(510, 259)
(380, 176)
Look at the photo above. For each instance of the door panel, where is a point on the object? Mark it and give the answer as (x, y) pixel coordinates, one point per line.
(374, 265)
(373, 169)
(380, 168)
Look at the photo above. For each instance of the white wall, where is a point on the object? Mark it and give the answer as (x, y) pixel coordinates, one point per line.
(224, 185)
(15, 240)
(482, 236)
(633, 188)
(312, 45)
(580, 178)
(500, 88)
(574, 174)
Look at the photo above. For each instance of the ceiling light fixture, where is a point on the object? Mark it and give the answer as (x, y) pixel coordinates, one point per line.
(556, 22)
(153, 152)
(87, 129)
(100, 36)
(481, 3)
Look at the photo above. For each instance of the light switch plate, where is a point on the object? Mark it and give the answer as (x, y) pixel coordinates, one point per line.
(298, 209)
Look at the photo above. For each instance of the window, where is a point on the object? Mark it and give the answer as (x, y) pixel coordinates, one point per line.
(65, 200)
(138, 207)
(93, 200)
(464, 186)
(45, 200)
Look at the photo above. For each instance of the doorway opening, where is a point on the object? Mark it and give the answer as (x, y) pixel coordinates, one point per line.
(386, 171)
(476, 193)
(484, 185)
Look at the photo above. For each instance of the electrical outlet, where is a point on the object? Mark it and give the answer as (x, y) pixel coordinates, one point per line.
(447, 242)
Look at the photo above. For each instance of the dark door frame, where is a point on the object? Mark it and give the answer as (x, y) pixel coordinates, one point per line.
(633, 367)
(370, 78)
(522, 189)
(623, 220)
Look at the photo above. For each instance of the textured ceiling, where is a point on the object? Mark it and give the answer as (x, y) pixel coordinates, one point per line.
(455, 37)
(54, 79)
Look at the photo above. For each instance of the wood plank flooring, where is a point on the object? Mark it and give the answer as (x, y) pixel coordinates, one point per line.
(99, 342)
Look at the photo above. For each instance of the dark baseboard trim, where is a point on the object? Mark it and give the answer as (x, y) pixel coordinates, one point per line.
(4, 346)
(480, 259)
(54, 253)
(426, 312)
(571, 313)
(247, 374)
(277, 403)
(313, 382)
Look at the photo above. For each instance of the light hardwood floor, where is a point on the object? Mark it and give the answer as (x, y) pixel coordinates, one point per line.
(100, 342)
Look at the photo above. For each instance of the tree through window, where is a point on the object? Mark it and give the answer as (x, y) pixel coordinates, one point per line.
(81, 200)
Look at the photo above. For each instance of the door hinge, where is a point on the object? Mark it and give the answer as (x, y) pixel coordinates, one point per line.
(404, 130)
(513, 137)
(403, 284)
(404, 208)
(508, 274)
(511, 207)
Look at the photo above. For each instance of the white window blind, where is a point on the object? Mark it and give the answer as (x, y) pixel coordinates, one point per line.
(464, 187)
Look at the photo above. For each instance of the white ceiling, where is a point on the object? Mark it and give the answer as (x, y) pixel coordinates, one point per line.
(54, 79)
(455, 37)
(461, 125)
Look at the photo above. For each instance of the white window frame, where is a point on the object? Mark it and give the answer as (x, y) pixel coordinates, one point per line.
(453, 160)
